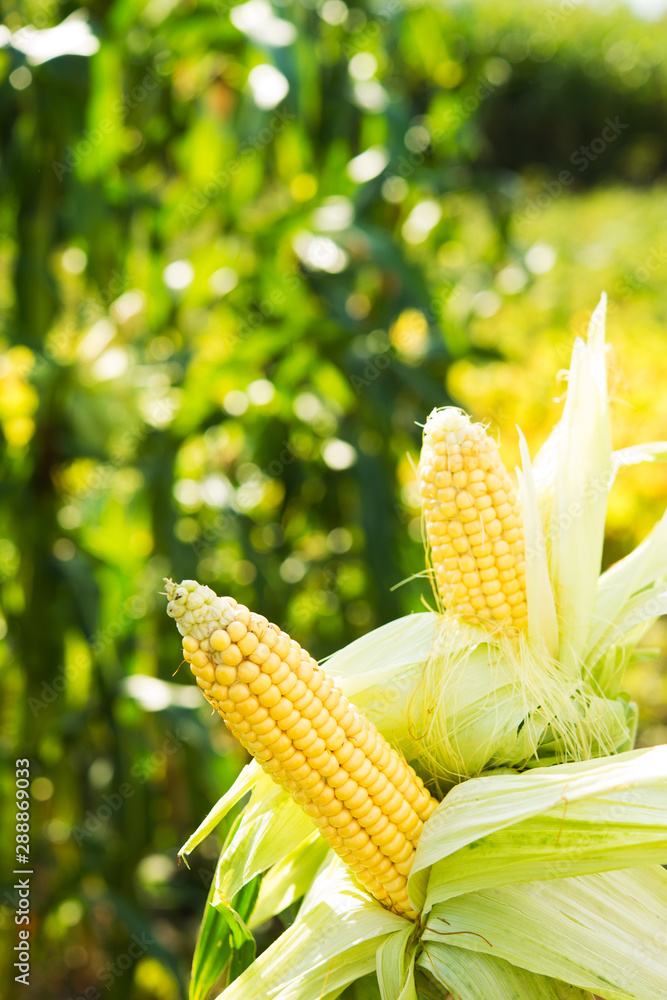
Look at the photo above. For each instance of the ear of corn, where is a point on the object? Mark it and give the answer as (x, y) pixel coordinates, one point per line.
(473, 521)
(282, 707)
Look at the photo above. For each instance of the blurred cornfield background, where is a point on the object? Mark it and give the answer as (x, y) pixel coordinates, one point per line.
(244, 250)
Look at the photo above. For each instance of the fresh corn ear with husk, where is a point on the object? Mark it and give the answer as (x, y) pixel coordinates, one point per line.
(474, 526)
(368, 804)
(515, 674)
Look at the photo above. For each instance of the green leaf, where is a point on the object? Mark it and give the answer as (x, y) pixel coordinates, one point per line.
(365, 988)
(329, 380)
(468, 711)
(396, 645)
(395, 965)
(633, 619)
(380, 671)
(548, 823)
(243, 784)
(429, 988)
(472, 976)
(271, 826)
(581, 488)
(544, 470)
(604, 933)
(288, 880)
(642, 568)
(332, 943)
(224, 944)
(650, 451)
(243, 950)
(608, 832)
(542, 622)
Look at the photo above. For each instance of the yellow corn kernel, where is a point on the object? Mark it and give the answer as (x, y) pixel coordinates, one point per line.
(476, 534)
(279, 703)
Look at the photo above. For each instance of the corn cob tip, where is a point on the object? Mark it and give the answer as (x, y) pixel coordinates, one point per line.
(473, 520)
(453, 426)
(197, 609)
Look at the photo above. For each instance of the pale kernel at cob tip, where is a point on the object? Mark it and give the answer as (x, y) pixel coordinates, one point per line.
(473, 520)
(273, 696)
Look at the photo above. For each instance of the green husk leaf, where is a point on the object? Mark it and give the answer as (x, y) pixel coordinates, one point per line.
(612, 995)
(545, 468)
(604, 729)
(607, 674)
(272, 825)
(650, 451)
(619, 830)
(333, 942)
(225, 946)
(288, 880)
(469, 709)
(642, 568)
(579, 503)
(366, 988)
(395, 965)
(471, 976)
(458, 700)
(383, 650)
(243, 784)
(604, 932)
(487, 701)
(429, 988)
(542, 621)
(546, 823)
(380, 671)
(633, 620)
